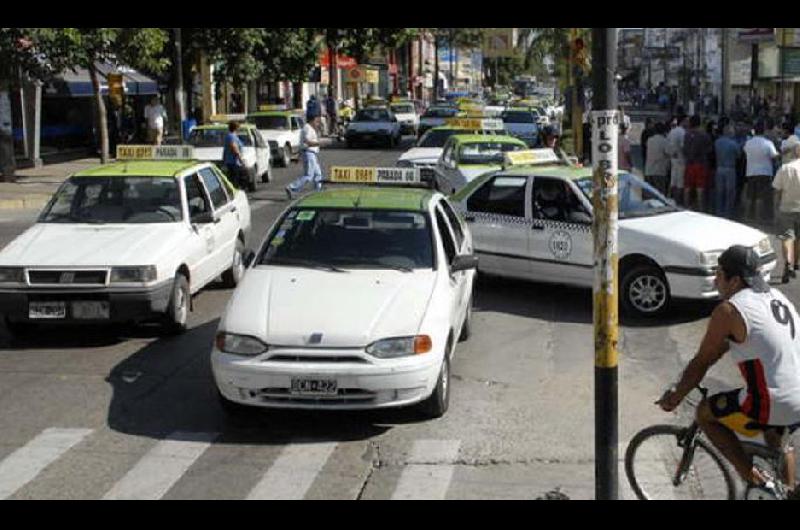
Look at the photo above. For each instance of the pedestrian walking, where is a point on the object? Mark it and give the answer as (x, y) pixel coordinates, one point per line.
(656, 167)
(312, 106)
(697, 148)
(309, 147)
(232, 156)
(677, 159)
(760, 153)
(787, 191)
(727, 153)
(155, 115)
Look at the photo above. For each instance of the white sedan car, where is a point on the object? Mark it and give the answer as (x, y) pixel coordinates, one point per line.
(406, 114)
(373, 125)
(535, 223)
(356, 300)
(208, 142)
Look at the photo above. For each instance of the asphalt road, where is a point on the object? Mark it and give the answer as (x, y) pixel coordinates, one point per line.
(121, 413)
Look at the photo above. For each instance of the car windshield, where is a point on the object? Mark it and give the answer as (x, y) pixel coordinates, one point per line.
(406, 108)
(270, 122)
(127, 199)
(518, 116)
(351, 239)
(437, 138)
(637, 198)
(486, 152)
(440, 112)
(216, 137)
(372, 115)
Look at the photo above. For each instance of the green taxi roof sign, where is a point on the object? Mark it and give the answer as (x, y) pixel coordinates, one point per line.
(155, 152)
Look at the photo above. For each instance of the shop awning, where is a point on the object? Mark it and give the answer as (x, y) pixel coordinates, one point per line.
(78, 83)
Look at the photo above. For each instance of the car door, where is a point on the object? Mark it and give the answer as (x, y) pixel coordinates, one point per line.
(297, 126)
(501, 225)
(202, 241)
(262, 154)
(226, 227)
(561, 240)
(463, 240)
(457, 281)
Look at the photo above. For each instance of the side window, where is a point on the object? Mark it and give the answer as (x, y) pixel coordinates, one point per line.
(554, 200)
(196, 197)
(455, 222)
(219, 197)
(447, 240)
(500, 195)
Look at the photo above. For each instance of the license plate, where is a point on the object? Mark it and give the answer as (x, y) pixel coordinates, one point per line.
(91, 310)
(314, 387)
(47, 310)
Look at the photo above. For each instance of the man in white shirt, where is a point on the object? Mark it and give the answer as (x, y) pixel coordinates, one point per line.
(760, 153)
(787, 188)
(155, 114)
(309, 147)
(678, 161)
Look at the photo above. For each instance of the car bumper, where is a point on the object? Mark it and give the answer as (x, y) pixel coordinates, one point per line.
(360, 385)
(124, 305)
(699, 283)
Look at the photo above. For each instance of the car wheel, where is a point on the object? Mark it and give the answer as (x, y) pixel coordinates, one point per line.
(234, 275)
(466, 328)
(287, 155)
(177, 314)
(645, 291)
(436, 405)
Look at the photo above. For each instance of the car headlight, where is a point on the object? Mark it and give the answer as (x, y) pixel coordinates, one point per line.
(405, 163)
(12, 275)
(400, 347)
(133, 274)
(710, 259)
(240, 344)
(764, 246)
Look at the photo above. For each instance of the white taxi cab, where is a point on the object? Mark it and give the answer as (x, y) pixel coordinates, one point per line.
(209, 140)
(127, 241)
(356, 300)
(373, 125)
(406, 114)
(534, 222)
(281, 129)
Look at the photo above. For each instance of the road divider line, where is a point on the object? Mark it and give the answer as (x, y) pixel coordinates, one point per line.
(161, 467)
(22, 466)
(293, 472)
(426, 478)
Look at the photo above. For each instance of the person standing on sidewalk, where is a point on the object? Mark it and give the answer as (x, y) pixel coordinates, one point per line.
(656, 167)
(232, 156)
(787, 191)
(678, 161)
(309, 147)
(697, 148)
(760, 154)
(155, 115)
(727, 153)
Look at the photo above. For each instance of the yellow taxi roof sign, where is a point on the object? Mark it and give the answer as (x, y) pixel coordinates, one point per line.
(475, 124)
(374, 175)
(532, 157)
(225, 118)
(271, 108)
(155, 152)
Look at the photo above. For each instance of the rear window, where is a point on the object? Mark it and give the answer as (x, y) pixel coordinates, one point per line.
(518, 117)
(440, 112)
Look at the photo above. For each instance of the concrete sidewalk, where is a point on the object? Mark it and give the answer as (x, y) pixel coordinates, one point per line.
(35, 186)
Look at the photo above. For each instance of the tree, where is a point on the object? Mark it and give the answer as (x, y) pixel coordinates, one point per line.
(455, 38)
(70, 48)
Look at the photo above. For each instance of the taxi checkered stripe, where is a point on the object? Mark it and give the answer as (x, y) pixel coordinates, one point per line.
(526, 221)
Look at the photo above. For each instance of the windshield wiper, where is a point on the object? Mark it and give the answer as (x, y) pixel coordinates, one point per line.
(376, 266)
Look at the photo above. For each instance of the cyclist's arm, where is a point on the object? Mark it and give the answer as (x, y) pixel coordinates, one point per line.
(722, 326)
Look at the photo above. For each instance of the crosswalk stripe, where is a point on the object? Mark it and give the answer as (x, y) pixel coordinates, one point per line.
(161, 467)
(22, 466)
(293, 473)
(429, 481)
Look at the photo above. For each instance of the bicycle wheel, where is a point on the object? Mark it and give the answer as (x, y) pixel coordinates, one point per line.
(653, 458)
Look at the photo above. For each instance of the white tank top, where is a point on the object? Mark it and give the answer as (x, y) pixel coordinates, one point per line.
(769, 359)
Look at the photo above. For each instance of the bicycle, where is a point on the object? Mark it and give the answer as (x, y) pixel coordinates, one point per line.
(662, 459)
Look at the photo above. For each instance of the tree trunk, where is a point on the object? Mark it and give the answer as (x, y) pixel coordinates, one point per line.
(100, 108)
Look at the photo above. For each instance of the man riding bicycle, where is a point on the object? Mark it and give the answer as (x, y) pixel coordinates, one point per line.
(759, 326)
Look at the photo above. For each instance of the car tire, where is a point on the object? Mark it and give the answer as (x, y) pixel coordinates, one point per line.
(438, 403)
(232, 276)
(176, 316)
(286, 155)
(466, 327)
(645, 292)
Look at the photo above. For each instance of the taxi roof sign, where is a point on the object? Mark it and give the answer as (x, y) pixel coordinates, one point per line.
(532, 157)
(271, 108)
(475, 124)
(225, 118)
(374, 175)
(155, 152)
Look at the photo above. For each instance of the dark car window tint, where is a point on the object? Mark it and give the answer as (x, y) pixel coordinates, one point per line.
(501, 195)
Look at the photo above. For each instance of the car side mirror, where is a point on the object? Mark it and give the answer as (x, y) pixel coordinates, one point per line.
(464, 262)
(203, 218)
(249, 258)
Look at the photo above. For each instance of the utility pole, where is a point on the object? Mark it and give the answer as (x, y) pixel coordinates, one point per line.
(605, 131)
(180, 98)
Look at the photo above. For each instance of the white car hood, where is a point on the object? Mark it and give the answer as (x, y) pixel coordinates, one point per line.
(423, 155)
(79, 245)
(214, 154)
(285, 306)
(692, 230)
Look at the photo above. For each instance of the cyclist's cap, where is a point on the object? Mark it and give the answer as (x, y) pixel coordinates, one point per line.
(742, 261)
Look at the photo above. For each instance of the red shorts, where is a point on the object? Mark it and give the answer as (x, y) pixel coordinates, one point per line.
(697, 176)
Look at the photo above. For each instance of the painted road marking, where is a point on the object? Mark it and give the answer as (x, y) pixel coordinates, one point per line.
(293, 472)
(428, 476)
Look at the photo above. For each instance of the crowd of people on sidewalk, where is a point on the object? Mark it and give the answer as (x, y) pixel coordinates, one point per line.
(733, 169)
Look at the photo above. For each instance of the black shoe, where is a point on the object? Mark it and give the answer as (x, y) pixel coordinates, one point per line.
(796, 267)
(787, 275)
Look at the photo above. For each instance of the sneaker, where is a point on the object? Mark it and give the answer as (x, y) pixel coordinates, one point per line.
(289, 196)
